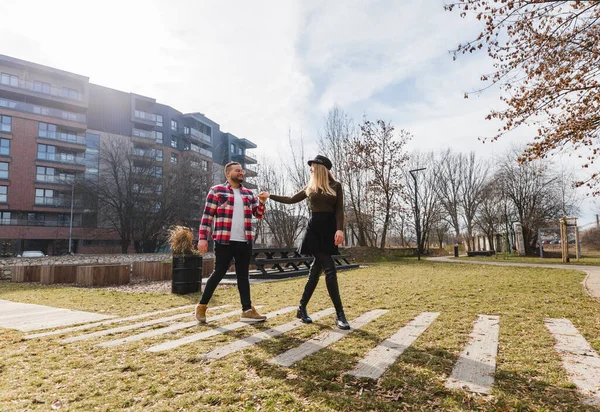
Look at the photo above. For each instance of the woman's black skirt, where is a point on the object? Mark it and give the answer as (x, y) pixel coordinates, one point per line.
(320, 233)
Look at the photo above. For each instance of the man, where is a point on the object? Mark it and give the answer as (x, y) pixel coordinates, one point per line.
(231, 206)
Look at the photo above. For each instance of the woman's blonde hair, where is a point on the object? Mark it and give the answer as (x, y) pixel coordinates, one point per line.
(319, 181)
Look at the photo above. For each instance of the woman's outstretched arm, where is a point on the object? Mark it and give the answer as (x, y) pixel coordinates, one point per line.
(298, 197)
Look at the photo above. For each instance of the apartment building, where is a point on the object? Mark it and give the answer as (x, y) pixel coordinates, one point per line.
(230, 148)
(53, 127)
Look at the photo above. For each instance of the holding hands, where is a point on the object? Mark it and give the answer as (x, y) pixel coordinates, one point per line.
(263, 196)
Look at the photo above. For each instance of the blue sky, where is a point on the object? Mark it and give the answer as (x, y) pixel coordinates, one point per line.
(263, 68)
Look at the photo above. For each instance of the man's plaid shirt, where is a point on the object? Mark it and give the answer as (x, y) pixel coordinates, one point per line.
(219, 207)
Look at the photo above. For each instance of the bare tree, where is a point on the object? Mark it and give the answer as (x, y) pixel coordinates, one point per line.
(383, 154)
(489, 217)
(473, 177)
(449, 187)
(139, 198)
(534, 193)
(547, 60)
(284, 222)
(429, 205)
(338, 141)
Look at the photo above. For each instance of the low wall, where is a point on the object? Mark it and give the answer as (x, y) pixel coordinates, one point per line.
(6, 264)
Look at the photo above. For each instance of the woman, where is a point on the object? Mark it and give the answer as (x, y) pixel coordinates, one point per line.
(323, 234)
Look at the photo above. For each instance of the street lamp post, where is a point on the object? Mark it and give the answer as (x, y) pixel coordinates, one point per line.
(71, 220)
(417, 216)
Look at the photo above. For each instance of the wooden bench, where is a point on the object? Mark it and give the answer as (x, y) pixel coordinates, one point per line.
(278, 263)
(26, 273)
(96, 275)
(481, 253)
(58, 274)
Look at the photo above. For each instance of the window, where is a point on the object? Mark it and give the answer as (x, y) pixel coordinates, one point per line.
(159, 120)
(4, 218)
(232, 150)
(36, 219)
(158, 155)
(41, 87)
(240, 151)
(44, 174)
(159, 137)
(174, 143)
(186, 130)
(205, 129)
(4, 147)
(69, 93)
(204, 165)
(5, 124)
(47, 130)
(157, 171)
(63, 219)
(3, 170)
(66, 178)
(9, 79)
(3, 194)
(46, 152)
(174, 158)
(174, 125)
(44, 197)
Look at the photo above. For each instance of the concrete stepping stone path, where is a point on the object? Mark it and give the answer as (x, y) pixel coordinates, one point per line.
(167, 329)
(128, 327)
(322, 341)
(476, 365)
(579, 359)
(218, 330)
(240, 344)
(106, 322)
(376, 362)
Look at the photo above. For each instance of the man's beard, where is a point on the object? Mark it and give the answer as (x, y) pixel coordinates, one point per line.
(237, 179)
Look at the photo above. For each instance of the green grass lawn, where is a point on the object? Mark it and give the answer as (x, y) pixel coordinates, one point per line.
(586, 260)
(34, 374)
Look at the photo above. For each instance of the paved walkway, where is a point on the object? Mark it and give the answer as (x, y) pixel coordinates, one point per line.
(591, 283)
(28, 317)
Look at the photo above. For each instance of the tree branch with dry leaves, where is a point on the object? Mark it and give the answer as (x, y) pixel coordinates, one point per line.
(547, 59)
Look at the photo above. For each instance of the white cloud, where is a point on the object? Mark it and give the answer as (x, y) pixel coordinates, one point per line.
(263, 68)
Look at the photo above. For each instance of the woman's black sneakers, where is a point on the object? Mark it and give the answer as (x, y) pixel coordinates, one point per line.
(341, 322)
(302, 315)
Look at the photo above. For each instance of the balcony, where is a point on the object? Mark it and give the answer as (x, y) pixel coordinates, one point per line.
(47, 223)
(197, 135)
(244, 159)
(66, 158)
(250, 173)
(55, 179)
(45, 89)
(43, 111)
(52, 201)
(148, 155)
(64, 137)
(144, 134)
(199, 150)
(145, 117)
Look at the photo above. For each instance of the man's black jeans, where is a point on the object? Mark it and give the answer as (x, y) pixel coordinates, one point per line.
(241, 252)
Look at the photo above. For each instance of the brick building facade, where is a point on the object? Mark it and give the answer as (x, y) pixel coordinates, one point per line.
(53, 125)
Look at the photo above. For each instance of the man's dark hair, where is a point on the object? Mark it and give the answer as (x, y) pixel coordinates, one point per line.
(229, 166)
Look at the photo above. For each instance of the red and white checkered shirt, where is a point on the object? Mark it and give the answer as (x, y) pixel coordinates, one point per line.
(219, 207)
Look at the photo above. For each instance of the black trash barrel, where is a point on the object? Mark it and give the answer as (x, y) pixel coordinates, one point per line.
(455, 250)
(187, 274)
